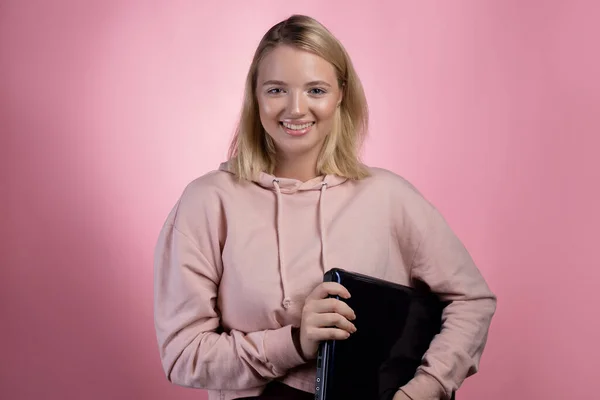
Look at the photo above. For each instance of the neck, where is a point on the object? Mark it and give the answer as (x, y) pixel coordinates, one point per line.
(299, 169)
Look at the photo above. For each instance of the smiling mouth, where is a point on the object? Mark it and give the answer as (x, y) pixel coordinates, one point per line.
(296, 127)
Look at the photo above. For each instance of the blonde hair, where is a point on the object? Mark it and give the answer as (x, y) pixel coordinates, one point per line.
(252, 151)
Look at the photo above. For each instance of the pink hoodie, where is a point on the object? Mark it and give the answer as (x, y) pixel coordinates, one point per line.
(235, 261)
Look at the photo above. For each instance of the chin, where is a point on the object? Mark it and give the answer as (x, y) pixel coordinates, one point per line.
(299, 146)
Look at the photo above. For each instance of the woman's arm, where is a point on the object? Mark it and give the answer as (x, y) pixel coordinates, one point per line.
(193, 351)
(442, 262)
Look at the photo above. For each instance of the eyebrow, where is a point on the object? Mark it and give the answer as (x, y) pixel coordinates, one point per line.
(281, 83)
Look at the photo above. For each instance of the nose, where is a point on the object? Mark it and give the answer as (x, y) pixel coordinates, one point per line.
(297, 104)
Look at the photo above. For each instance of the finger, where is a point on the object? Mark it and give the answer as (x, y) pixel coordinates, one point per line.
(331, 320)
(320, 334)
(326, 289)
(332, 306)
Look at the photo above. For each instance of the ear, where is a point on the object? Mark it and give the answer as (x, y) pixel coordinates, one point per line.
(341, 95)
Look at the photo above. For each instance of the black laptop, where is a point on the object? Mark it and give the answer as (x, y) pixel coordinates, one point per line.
(395, 325)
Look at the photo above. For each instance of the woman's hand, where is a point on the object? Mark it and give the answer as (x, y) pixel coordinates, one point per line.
(325, 318)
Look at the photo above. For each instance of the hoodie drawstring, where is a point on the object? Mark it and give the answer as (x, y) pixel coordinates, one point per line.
(282, 272)
(286, 301)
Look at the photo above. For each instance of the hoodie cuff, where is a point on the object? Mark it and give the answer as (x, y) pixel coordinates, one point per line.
(424, 387)
(280, 349)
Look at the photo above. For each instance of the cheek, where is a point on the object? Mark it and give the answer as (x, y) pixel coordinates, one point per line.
(269, 109)
(324, 111)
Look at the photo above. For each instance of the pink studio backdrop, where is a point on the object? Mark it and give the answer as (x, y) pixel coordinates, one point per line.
(108, 108)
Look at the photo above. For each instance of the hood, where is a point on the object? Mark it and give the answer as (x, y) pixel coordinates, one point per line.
(290, 186)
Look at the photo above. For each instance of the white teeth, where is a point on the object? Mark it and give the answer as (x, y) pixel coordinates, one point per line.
(297, 127)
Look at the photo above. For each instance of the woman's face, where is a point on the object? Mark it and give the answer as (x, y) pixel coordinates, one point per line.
(298, 94)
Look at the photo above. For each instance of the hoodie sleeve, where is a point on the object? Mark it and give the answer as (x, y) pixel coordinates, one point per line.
(194, 350)
(443, 263)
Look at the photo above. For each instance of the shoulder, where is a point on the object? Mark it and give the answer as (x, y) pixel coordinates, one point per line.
(212, 180)
(203, 196)
(395, 184)
(407, 202)
(209, 184)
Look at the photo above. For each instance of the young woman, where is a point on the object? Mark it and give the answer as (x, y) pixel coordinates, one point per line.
(240, 307)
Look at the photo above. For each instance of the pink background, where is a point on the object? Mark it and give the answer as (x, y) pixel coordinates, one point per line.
(108, 108)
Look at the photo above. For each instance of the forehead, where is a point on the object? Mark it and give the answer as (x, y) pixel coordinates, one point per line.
(295, 66)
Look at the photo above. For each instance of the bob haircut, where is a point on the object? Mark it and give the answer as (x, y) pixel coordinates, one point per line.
(252, 150)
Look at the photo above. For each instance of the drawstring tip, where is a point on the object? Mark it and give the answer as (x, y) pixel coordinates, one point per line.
(286, 303)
